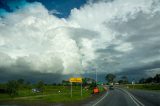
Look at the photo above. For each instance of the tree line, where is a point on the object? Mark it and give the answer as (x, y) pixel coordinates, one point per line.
(155, 79)
(110, 78)
(13, 86)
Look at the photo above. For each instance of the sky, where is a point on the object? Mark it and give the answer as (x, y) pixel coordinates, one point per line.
(53, 40)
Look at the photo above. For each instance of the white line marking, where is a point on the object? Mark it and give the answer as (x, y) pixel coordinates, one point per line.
(100, 99)
(131, 97)
(135, 100)
(138, 100)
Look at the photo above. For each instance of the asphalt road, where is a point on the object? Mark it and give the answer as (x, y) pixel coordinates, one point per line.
(148, 98)
(122, 97)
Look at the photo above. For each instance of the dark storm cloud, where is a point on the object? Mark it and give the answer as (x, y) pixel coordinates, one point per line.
(21, 68)
(109, 50)
(143, 33)
(9, 73)
(141, 69)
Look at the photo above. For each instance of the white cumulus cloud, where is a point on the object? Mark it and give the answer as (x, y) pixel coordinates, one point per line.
(43, 42)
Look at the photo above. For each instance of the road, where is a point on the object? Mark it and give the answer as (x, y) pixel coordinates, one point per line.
(148, 98)
(122, 97)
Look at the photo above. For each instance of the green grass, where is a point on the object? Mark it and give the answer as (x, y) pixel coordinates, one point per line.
(101, 89)
(50, 94)
(145, 86)
(64, 97)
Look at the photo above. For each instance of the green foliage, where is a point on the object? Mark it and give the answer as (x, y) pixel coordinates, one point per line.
(27, 85)
(88, 81)
(40, 86)
(123, 80)
(84, 81)
(93, 84)
(50, 94)
(65, 82)
(20, 81)
(155, 79)
(12, 88)
(145, 86)
(110, 77)
(101, 88)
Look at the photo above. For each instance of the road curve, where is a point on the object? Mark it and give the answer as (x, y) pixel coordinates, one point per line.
(123, 97)
(116, 97)
(148, 98)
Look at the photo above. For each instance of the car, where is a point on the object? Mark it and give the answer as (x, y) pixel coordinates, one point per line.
(35, 90)
(111, 87)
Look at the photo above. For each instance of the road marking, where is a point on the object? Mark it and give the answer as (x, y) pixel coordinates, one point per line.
(132, 98)
(135, 100)
(100, 99)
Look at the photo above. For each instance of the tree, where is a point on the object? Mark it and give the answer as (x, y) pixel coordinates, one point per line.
(27, 85)
(120, 81)
(149, 80)
(54, 84)
(20, 81)
(142, 81)
(124, 79)
(92, 85)
(40, 85)
(12, 88)
(157, 78)
(110, 77)
(65, 82)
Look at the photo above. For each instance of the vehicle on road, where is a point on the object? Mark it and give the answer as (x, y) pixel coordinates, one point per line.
(111, 87)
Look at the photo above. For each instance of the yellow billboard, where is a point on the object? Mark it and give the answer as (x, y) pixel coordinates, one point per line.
(78, 79)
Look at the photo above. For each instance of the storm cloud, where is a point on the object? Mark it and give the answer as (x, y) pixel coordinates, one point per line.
(115, 36)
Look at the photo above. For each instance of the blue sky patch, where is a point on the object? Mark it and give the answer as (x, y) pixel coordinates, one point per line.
(60, 8)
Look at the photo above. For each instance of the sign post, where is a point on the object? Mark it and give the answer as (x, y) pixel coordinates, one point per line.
(79, 80)
(71, 89)
(81, 88)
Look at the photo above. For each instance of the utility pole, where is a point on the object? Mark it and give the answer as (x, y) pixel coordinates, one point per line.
(96, 76)
(94, 69)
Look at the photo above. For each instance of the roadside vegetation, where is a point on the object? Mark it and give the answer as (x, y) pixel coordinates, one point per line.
(150, 83)
(144, 86)
(22, 91)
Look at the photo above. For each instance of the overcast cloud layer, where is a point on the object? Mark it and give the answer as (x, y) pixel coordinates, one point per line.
(120, 36)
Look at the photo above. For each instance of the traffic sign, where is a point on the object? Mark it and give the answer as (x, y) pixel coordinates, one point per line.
(78, 79)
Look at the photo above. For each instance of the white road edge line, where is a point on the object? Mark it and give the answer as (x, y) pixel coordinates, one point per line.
(133, 98)
(137, 100)
(100, 99)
